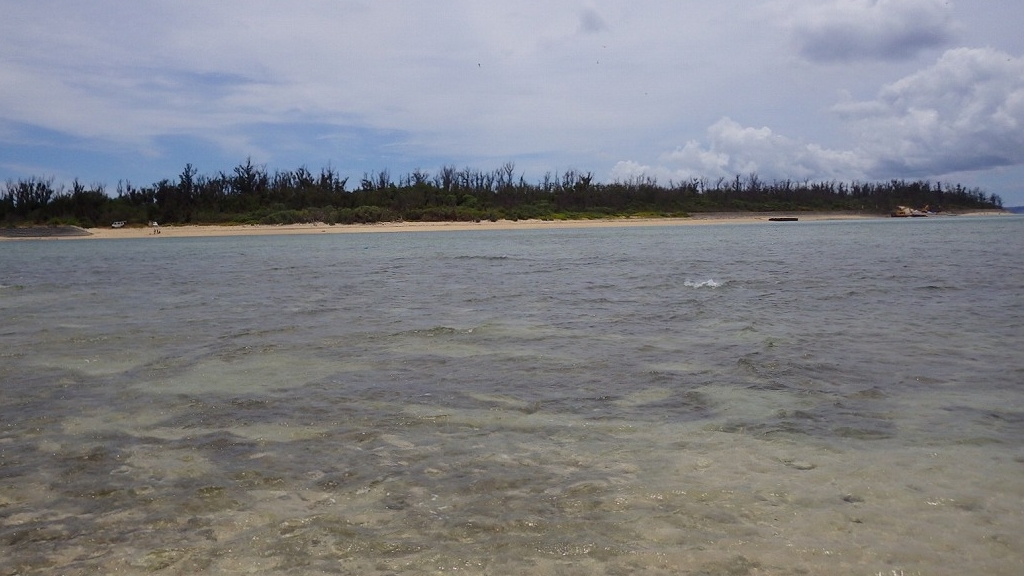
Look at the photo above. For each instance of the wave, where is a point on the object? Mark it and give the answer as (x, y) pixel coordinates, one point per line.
(436, 331)
(471, 257)
(709, 283)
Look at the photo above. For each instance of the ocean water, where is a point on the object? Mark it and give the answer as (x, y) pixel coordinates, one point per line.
(838, 397)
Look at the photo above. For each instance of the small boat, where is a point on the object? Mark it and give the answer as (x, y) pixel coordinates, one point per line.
(783, 219)
(118, 224)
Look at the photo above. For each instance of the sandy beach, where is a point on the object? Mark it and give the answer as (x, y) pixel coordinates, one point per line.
(183, 231)
(179, 231)
(322, 228)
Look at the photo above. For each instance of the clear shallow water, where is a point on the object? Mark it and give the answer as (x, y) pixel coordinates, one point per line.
(820, 397)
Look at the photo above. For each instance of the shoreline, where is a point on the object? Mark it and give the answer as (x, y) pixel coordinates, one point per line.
(214, 230)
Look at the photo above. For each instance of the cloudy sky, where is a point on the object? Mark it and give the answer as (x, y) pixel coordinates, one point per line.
(108, 90)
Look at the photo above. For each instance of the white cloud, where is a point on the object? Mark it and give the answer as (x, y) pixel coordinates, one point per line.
(846, 30)
(733, 149)
(966, 112)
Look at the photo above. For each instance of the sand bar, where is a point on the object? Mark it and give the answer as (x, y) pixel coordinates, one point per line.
(184, 231)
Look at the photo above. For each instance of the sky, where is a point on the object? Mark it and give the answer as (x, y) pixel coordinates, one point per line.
(865, 90)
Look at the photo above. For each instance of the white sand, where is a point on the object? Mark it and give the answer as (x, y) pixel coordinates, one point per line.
(181, 231)
(321, 228)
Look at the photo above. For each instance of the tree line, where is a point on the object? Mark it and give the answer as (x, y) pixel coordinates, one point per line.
(250, 194)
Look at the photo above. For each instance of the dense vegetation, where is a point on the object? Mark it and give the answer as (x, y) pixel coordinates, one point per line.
(250, 194)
